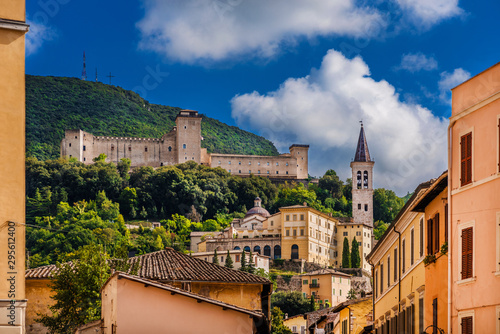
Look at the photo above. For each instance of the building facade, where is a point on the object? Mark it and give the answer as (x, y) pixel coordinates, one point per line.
(474, 204)
(259, 261)
(398, 272)
(327, 286)
(13, 28)
(180, 145)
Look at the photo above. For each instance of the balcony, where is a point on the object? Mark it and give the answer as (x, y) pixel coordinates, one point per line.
(314, 285)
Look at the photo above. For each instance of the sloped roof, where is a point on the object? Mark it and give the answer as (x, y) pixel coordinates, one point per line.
(326, 271)
(362, 153)
(170, 265)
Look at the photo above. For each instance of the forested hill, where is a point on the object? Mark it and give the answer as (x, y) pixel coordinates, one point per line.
(54, 104)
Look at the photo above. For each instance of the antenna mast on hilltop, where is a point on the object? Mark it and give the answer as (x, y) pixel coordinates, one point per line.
(96, 74)
(84, 71)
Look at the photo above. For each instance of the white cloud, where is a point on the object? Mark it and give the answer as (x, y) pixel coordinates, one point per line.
(323, 109)
(200, 30)
(415, 62)
(449, 81)
(425, 13)
(36, 36)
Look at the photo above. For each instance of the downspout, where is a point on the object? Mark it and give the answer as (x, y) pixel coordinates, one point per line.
(373, 295)
(450, 146)
(347, 307)
(399, 279)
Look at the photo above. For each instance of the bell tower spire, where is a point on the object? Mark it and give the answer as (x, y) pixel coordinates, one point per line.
(362, 182)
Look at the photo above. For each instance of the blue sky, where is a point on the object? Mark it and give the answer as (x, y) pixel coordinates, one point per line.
(293, 71)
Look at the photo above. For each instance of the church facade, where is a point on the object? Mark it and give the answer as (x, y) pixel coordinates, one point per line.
(180, 145)
(301, 232)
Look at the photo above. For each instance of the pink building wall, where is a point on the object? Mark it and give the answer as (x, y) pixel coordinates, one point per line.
(476, 109)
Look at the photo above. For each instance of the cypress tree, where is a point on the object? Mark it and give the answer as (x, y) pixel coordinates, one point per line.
(229, 261)
(346, 255)
(243, 262)
(355, 258)
(216, 258)
(251, 265)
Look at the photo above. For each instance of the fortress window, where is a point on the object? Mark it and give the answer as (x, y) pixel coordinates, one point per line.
(359, 180)
(229, 171)
(112, 147)
(287, 164)
(192, 158)
(258, 172)
(84, 148)
(130, 148)
(229, 162)
(184, 146)
(366, 207)
(286, 172)
(185, 127)
(239, 162)
(267, 172)
(69, 144)
(359, 206)
(268, 163)
(239, 171)
(277, 172)
(76, 137)
(277, 164)
(84, 159)
(170, 148)
(258, 163)
(249, 172)
(185, 158)
(145, 149)
(249, 163)
(365, 179)
(219, 162)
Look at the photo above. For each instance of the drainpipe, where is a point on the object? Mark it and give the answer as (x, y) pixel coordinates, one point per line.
(373, 293)
(450, 146)
(399, 279)
(349, 319)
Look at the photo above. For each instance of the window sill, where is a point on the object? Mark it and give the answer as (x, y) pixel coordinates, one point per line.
(466, 281)
(497, 273)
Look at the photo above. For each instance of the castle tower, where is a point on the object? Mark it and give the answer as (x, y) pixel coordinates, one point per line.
(301, 153)
(362, 182)
(188, 136)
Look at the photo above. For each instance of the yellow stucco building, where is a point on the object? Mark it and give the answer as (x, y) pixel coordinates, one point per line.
(12, 142)
(399, 273)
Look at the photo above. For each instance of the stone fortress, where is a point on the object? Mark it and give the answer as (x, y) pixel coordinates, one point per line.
(300, 232)
(180, 145)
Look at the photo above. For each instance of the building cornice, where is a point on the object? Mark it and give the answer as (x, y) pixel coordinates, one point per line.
(14, 25)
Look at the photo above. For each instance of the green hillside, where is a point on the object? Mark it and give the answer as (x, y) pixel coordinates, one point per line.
(54, 104)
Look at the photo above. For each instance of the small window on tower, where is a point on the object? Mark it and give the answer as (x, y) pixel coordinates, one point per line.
(365, 179)
(84, 148)
(145, 149)
(366, 207)
(170, 148)
(184, 146)
(130, 148)
(358, 180)
(112, 147)
(69, 144)
(359, 206)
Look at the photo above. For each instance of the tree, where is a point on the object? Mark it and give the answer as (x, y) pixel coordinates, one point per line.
(216, 258)
(351, 294)
(379, 230)
(251, 265)
(229, 260)
(76, 287)
(346, 254)
(243, 262)
(277, 326)
(312, 304)
(291, 302)
(386, 205)
(355, 257)
(102, 157)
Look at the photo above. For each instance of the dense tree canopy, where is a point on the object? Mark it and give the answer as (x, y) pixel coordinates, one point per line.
(292, 302)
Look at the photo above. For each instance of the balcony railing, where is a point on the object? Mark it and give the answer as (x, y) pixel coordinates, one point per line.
(314, 285)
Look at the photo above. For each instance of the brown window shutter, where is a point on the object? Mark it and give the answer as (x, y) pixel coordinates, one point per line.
(436, 233)
(466, 159)
(499, 144)
(395, 264)
(467, 255)
(469, 157)
(429, 237)
(463, 160)
(466, 325)
(435, 315)
(446, 222)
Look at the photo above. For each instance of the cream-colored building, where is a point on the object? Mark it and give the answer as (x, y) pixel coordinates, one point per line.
(327, 286)
(180, 145)
(399, 273)
(13, 28)
(297, 323)
(354, 317)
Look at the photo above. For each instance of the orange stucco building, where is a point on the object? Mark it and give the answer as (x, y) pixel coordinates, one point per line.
(13, 28)
(474, 205)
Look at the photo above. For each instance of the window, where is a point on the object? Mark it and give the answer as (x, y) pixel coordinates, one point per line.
(277, 172)
(112, 147)
(287, 218)
(466, 324)
(365, 179)
(358, 180)
(366, 207)
(466, 159)
(277, 164)
(301, 232)
(395, 264)
(69, 144)
(287, 233)
(258, 163)
(249, 163)
(446, 222)
(467, 253)
(267, 172)
(305, 282)
(421, 237)
(420, 315)
(239, 171)
(403, 256)
(287, 164)
(249, 171)
(294, 217)
(359, 206)
(229, 170)
(376, 282)
(381, 278)
(358, 233)
(388, 271)
(183, 146)
(170, 150)
(268, 163)
(433, 235)
(258, 172)
(219, 162)
(294, 329)
(239, 162)
(412, 247)
(345, 234)
(238, 258)
(84, 159)
(229, 162)
(272, 223)
(294, 232)
(84, 148)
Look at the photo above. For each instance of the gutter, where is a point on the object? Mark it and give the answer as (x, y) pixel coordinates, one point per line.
(450, 146)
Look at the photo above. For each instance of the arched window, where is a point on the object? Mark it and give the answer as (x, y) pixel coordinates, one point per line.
(247, 249)
(256, 249)
(365, 179)
(170, 148)
(359, 180)
(277, 252)
(237, 248)
(267, 250)
(295, 252)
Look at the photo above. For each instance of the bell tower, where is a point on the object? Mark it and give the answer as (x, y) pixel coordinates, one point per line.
(362, 182)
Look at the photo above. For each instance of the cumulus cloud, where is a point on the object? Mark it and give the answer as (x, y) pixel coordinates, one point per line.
(449, 81)
(414, 62)
(37, 36)
(426, 13)
(200, 30)
(324, 108)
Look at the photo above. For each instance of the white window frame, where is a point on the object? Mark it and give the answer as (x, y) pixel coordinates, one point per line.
(464, 315)
(461, 227)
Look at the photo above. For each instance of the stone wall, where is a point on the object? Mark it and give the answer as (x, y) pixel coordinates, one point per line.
(287, 283)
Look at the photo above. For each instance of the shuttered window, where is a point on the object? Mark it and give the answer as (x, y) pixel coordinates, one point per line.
(389, 271)
(403, 255)
(430, 231)
(421, 237)
(446, 222)
(395, 264)
(467, 235)
(466, 159)
(412, 246)
(435, 316)
(381, 278)
(466, 325)
(436, 232)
